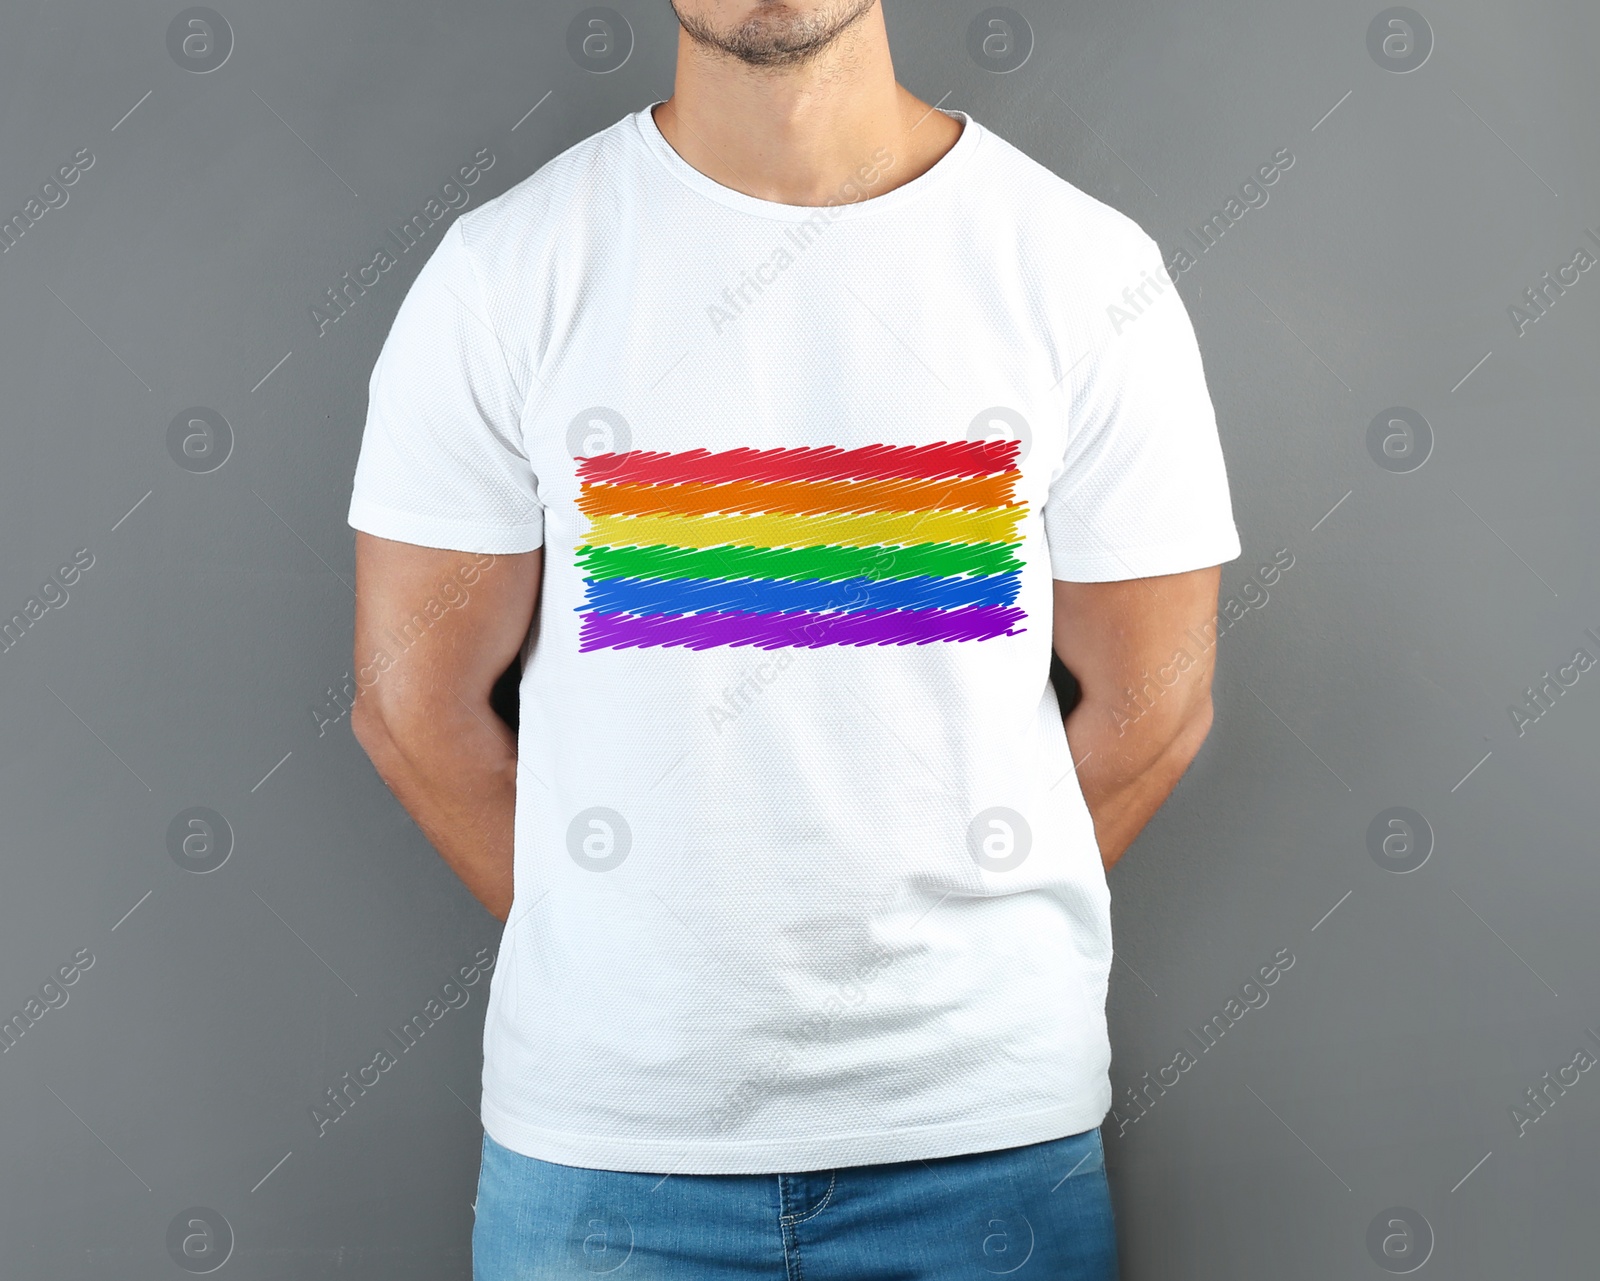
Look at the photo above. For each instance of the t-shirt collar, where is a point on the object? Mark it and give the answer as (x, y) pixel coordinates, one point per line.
(942, 171)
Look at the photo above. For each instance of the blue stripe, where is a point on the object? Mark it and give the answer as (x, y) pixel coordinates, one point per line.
(773, 596)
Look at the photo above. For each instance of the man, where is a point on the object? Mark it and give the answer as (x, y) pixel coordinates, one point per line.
(780, 428)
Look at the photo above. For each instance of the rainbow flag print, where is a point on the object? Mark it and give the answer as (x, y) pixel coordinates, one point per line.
(810, 546)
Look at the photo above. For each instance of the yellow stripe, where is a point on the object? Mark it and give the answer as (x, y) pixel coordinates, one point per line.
(846, 529)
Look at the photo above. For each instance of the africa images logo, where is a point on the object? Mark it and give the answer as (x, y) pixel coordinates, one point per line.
(803, 547)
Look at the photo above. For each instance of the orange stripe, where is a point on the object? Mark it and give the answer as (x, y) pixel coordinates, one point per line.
(799, 498)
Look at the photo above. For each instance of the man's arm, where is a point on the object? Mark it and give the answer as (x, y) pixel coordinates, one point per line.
(1131, 638)
(426, 720)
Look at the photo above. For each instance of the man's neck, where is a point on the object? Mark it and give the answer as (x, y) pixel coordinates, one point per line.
(803, 135)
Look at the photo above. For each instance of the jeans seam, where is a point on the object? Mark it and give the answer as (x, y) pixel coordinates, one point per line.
(833, 1179)
(791, 1254)
(793, 1264)
(793, 1268)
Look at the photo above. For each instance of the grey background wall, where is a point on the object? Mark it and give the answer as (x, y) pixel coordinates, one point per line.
(193, 836)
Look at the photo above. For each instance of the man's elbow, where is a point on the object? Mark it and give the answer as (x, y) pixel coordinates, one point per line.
(368, 724)
(418, 726)
(1192, 730)
(395, 734)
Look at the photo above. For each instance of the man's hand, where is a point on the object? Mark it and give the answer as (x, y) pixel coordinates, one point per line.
(422, 713)
(1146, 683)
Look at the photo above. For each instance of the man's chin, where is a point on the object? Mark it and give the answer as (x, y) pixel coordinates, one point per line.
(775, 36)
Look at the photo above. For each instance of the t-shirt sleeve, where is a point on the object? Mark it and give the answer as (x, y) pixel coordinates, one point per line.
(442, 462)
(1142, 489)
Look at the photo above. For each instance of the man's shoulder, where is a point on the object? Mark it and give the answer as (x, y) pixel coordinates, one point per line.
(1050, 210)
(567, 185)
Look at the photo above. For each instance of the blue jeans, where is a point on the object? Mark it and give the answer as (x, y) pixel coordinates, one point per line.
(1038, 1213)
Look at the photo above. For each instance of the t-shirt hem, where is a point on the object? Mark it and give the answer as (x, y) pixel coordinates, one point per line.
(446, 535)
(1150, 561)
(791, 1155)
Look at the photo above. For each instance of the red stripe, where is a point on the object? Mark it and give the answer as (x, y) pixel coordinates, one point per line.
(825, 462)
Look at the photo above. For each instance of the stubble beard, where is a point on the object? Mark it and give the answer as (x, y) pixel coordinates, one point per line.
(777, 36)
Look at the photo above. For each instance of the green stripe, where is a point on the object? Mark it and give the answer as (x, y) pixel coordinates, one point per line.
(935, 560)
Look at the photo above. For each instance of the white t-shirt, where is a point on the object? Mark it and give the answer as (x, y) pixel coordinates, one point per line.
(803, 874)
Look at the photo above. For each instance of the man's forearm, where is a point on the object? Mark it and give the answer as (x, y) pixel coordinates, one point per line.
(454, 769)
(1127, 771)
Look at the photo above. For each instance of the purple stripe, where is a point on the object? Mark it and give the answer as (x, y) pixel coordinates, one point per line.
(800, 629)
